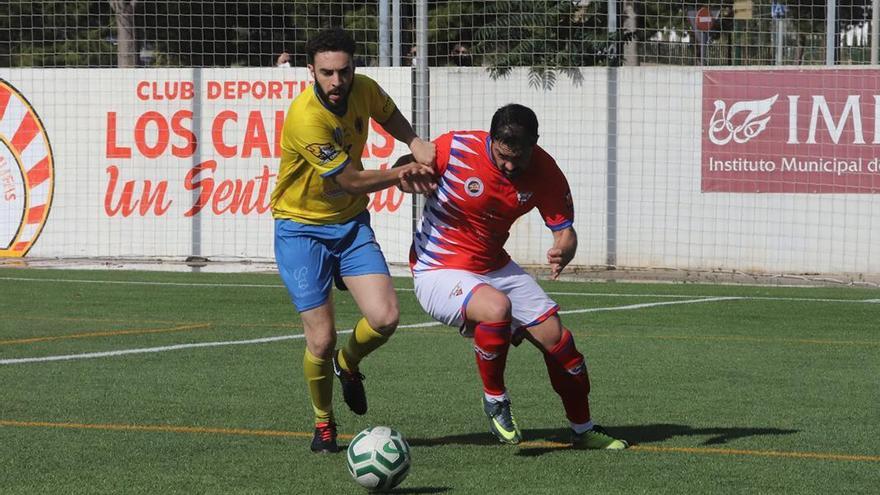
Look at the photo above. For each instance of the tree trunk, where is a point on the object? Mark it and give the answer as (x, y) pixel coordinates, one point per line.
(630, 25)
(799, 50)
(126, 48)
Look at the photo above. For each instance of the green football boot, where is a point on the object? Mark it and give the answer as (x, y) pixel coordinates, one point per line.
(501, 422)
(597, 439)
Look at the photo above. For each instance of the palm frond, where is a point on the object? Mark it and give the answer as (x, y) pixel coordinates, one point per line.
(550, 37)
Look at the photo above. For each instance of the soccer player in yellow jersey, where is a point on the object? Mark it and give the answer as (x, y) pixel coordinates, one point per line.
(322, 227)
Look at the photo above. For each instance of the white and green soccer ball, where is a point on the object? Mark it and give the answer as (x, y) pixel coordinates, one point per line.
(378, 458)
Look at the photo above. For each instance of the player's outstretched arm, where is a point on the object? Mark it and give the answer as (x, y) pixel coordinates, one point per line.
(415, 178)
(419, 179)
(412, 177)
(423, 151)
(562, 252)
(404, 160)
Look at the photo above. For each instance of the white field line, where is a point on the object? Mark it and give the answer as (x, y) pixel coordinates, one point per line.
(552, 293)
(177, 347)
(137, 282)
(145, 350)
(649, 305)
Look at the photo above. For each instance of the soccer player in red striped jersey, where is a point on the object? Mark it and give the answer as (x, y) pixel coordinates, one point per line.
(465, 278)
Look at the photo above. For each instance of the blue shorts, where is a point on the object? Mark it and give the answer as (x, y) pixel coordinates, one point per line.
(311, 257)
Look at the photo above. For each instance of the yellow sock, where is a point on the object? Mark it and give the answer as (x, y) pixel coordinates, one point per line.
(363, 340)
(319, 377)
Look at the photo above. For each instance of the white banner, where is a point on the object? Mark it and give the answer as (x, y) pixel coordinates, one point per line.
(167, 163)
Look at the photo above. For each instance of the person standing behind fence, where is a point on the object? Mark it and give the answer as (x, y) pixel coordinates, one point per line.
(322, 226)
(460, 56)
(283, 60)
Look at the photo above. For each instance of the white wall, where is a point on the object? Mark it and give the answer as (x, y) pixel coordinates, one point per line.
(664, 220)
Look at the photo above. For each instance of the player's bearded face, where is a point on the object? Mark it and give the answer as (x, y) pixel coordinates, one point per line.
(333, 73)
(511, 161)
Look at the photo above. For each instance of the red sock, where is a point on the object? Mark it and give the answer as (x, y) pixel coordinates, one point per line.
(568, 374)
(491, 342)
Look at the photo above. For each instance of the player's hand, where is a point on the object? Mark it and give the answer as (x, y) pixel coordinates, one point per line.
(558, 260)
(424, 151)
(418, 179)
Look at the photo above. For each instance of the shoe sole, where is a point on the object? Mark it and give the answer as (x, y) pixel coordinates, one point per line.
(325, 451)
(616, 445)
(356, 410)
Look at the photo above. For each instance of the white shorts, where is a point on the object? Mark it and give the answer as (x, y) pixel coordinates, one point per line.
(444, 294)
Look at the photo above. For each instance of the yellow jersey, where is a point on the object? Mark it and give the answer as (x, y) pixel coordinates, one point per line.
(316, 144)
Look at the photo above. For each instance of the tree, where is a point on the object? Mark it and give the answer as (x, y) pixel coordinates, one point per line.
(549, 37)
(449, 22)
(55, 34)
(630, 27)
(808, 18)
(219, 34)
(125, 32)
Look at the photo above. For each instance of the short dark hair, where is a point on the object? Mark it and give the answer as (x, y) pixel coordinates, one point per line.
(330, 40)
(516, 126)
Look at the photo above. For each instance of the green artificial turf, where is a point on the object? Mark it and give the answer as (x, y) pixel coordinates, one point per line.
(769, 390)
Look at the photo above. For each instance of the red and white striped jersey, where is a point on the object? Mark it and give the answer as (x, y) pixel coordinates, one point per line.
(467, 220)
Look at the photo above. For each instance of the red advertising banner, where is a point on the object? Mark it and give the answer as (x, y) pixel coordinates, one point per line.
(791, 131)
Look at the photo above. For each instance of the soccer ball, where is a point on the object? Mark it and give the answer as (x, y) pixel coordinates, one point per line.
(378, 458)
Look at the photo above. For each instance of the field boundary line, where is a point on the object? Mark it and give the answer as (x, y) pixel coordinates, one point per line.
(140, 282)
(147, 350)
(735, 338)
(527, 444)
(650, 305)
(263, 340)
(159, 428)
(107, 333)
(92, 320)
(761, 453)
(145, 331)
(407, 289)
(824, 456)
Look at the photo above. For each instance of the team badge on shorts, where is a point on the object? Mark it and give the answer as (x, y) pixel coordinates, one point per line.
(473, 186)
(456, 291)
(27, 173)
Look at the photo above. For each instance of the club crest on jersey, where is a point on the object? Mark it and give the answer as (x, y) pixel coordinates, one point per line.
(338, 135)
(332, 190)
(523, 197)
(473, 186)
(359, 125)
(27, 174)
(388, 105)
(325, 152)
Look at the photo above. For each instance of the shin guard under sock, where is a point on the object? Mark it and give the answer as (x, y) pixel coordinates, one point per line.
(491, 343)
(568, 374)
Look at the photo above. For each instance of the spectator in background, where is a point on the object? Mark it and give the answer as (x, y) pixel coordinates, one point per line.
(461, 56)
(411, 56)
(283, 59)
